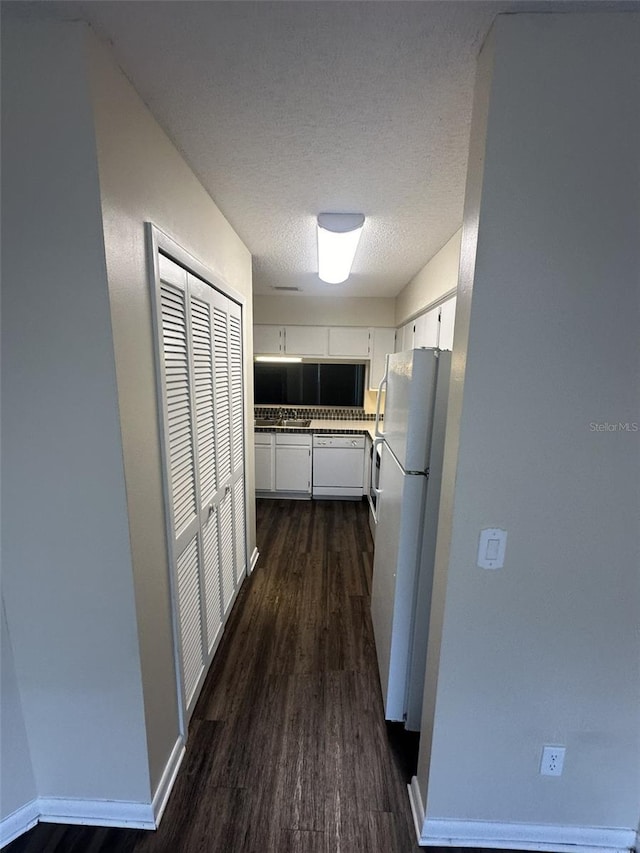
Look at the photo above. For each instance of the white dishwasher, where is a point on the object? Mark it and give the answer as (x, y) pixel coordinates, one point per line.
(338, 466)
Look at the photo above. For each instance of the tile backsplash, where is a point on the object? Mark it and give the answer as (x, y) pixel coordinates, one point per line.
(317, 413)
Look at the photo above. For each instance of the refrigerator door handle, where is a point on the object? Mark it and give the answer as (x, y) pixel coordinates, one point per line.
(383, 384)
(374, 487)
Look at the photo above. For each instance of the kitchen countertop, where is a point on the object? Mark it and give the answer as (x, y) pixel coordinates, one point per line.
(318, 425)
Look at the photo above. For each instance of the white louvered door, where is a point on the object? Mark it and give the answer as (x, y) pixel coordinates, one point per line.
(201, 384)
(181, 453)
(201, 298)
(230, 425)
(237, 440)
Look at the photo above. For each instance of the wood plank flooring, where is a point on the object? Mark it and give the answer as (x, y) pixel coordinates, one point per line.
(288, 749)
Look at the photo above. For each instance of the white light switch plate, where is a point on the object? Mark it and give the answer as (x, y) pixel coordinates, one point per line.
(492, 547)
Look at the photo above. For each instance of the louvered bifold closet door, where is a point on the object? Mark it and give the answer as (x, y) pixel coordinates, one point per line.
(199, 337)
(237, 398)
(223, 344)
(201, 297)
(223, 431)
(181, 462)
(237, 439)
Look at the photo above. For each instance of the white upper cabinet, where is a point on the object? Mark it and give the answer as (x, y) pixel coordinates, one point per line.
(434, 328)
(447, 322)
(268, 340)
(349, 342)
(382, 342)
(335, 342)
(404, 337)
(426, 329)
(305, 340)
(290, 340)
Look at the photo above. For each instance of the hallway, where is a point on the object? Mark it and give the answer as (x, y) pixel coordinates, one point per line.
(288, 749)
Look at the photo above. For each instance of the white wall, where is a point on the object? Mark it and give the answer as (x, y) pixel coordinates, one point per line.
(67, 579)
(437, 279)
(547, 649)
(17, 782)
(143, 177)
(298, 309)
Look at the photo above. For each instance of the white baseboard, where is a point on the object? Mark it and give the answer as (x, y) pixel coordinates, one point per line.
(516, 836)
(253, 560)
(96, 812)
(83, 812)
(165, 785)
(525, 836)
(417, 806)
(18, 822)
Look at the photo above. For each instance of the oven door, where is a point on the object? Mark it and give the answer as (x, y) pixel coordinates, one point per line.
(374, 490)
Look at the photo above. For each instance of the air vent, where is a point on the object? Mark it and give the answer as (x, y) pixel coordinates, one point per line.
(288, 289)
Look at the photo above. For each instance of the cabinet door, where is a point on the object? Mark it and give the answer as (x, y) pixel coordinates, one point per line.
(264, 467)
(305, 340)
(447, 322)
(293, 469)
(426, 329)
(349, 342)
(404, 338)
(382, 342)
(267, 340)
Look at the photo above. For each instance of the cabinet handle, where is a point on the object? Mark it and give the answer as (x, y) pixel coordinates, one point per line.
(227, 491)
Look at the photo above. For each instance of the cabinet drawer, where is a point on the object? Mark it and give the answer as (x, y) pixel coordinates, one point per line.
(263, 438)
(293, 438)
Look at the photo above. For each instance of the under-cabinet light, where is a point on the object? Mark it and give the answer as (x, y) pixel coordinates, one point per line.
(338, 238)
(279, 359)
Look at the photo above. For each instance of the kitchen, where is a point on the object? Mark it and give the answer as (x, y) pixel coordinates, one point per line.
(336, 453)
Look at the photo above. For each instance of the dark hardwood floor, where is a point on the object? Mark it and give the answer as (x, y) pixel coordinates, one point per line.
(288, 749)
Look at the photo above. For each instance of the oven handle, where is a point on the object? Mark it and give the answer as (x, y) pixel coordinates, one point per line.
(373, 486)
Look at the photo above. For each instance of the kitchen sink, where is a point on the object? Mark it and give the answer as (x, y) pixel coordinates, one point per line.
(295, 422)
(283, 422)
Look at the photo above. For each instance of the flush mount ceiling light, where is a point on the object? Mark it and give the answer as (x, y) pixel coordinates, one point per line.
(338, 237)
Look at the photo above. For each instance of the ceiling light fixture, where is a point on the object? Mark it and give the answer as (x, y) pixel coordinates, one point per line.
(279, 359)
(338, 238)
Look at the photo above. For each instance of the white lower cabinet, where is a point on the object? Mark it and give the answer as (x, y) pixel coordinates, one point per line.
(293, 463)
(265, 462)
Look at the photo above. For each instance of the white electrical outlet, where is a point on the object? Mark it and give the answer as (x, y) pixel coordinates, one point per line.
(552, 760)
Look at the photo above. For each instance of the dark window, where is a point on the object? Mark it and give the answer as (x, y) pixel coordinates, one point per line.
(308, 384)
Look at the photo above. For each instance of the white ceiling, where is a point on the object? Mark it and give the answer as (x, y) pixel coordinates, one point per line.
(287, 109)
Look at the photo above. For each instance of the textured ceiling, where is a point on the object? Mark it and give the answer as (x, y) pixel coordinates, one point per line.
(287, 109)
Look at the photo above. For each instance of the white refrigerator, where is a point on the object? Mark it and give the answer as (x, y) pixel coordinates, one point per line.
(411, 440)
